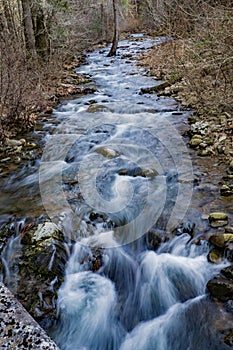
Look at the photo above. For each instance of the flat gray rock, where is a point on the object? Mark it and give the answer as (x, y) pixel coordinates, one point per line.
(18, 330)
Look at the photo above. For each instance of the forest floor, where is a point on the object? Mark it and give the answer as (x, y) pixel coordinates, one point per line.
(40, 103)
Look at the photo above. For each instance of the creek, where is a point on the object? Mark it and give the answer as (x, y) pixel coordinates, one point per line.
(117, 177)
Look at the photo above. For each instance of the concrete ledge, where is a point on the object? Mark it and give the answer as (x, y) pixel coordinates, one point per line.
(18, 330)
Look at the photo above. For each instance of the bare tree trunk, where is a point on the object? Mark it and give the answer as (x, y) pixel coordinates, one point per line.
(28, 28)
(40, 31)
(113, 49)
(8, 17)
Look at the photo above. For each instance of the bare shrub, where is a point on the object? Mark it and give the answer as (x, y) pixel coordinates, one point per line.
(202, 52)
(16, 84)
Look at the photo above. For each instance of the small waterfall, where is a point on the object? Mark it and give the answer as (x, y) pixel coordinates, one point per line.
(164, 280)
(88, 320)
(158, 298)
(184, 326)
(9, 254)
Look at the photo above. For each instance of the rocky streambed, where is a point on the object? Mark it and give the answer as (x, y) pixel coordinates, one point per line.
(36, 245)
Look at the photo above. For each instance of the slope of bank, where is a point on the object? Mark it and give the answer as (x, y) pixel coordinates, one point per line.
(201, 79)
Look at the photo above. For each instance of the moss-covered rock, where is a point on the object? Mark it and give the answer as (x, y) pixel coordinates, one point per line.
(215, 256)
(217, 216)
(40, 266)
(6, 231)
(218, 219)
(221, 240)
(195, 141)
(96, 108)
(226, 191)
(107, 152)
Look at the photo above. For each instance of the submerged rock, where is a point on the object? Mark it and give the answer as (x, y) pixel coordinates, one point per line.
(107, 152)
(137, 171)
(96, 108)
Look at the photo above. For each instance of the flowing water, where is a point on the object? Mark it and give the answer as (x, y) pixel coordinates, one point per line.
(114, 168)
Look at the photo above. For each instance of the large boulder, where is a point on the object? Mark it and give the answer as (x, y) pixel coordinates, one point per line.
(39, 265)
(17, 328)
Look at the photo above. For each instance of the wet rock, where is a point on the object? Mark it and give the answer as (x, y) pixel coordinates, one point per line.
(48, 110)
(153, 239)
(231, 166)
(91, 259)
(220, 288)
(219, 223)
(228, 229)
(226, 191)
(229, 338)
(228, 253)
(6, 231)
(107, 152)
(156, 88)
(223, 247)
(214, 256)
(97, 259)
(221, 240)
(187, 227)
(41, 265)
(218, 219)
(228, 272)
(96, 108)
(138, 172)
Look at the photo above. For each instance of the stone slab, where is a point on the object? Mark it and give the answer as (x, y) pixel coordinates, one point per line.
(18, 330)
